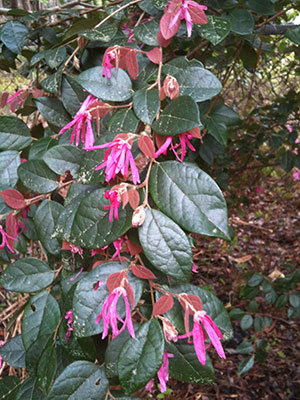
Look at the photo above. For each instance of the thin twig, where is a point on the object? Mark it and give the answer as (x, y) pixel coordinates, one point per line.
(116, 12)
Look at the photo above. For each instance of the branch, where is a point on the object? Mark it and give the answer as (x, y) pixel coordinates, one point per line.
(275, 29)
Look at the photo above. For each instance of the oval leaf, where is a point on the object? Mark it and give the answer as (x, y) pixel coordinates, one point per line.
(9, 162)
(166, 245)
(13, 352)
(142, 272)
(163, 305)
(13, 198)
(14, 134)
(146, 104)
(190, 197)
(35, 175)
(64, 158)
(13, 34)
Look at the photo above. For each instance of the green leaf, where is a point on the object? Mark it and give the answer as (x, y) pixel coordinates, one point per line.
(147, 32)
(190, 197)
(91, 227)
(294, 34)
(166, 245)
(179, 116)
(9, 386)
(40, 147)
(295, 300)
(64, 158)
(41, 317)
(29, 391)
(237, 313)
(259, 324)
(55, 57)
(46, 367)
(123, 121)
(261, 355)
(87, 174)
(45, 220)
(14, 134)
(281, 301)
(72, 94)
(35, 175)
(179, 64)
(185, 366)
(265, 7)
(27, 275)
(246, 365)
(246, 322)
(146, 104)
(112, 354)
(255, 280)
(215, 30)
(141, 358)
(117, 88)
(13, 35)
(105, 33)
(80, 380)
(211, 304)
(245, 348)
(53, 111)
(9, 162)
(52, 83)
(13, 352)
(242, 22)
(88, 303)
(79, 25)
(199, 83)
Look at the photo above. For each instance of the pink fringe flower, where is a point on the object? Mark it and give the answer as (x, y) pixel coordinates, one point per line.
(213, 332)
(4, 239)
(82, 123)
(117, 158)
(110, 316)
(163, 374)
(69, 318)
(115, 202)
(184, 139)
(107, 63)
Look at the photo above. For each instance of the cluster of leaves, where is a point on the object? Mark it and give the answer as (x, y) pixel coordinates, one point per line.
(55, 201)
(277, 291)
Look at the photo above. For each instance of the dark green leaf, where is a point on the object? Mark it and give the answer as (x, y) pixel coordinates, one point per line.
(27, 275)
(40, 147)
(64, 158)
(117, 88)
(246, 322)
(281, 301)
(242, 21)
(87, 174)
(52, 83)
(294, 34)
(9, 162)
(112, 354)
(72, 94)
(245, 348)
(253, 306)
(91, 227)
(166, 245)
(259, 324)
(246, 365)
(88, 303)
(9, 386)
(185, 366)
(79, 25)
(35, 175)
(215, 30)
(14, 134)
(237, 313)
(41, 317)
(29, 391)
(181, 115)
(190, 197)
(141, 358)
(105, 33)
(255, 280)
(265, 7)
(45, 220)
(53, 111)
(147, 33)
(123, 121)
(295, 300)
(55, 57)
(261, 355)
(13, 352)
(146, 104)
(46, 367)
(13, 35)
(178, 65)
(80, 380)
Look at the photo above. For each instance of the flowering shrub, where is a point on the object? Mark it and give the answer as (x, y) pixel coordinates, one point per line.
(107, 195)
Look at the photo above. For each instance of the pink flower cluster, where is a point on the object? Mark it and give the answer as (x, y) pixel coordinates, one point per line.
(69, 318)
(5, 238)
(162, 374)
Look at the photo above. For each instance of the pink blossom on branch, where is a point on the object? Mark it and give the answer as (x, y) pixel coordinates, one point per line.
(177, 10)
(82, 123)
(118, 158)
(69, 318)
(115, 201)
(162, 374)
(110, 316)
(5, 240)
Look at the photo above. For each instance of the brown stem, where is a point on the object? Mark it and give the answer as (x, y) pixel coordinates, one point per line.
(116, 12)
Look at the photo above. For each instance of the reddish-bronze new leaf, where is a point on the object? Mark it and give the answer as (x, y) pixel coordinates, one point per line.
(146, 146)
(163, 305)
(114, 280)
(155, 55)
(134, 198)
(142, 272)
(13, 198)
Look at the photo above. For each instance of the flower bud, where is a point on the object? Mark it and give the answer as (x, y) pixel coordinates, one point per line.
(171, 87)
(139, 216)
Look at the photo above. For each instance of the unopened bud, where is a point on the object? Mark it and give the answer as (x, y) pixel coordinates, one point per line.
(139, 216)
(81, 42)
(171, 87)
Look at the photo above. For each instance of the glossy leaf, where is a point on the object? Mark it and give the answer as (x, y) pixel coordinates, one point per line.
(14, 134)
(104, 33)
(112, 354)
(179, 64)
(41, 317)
(9, 386)
(166, 245)
(13, 352)
(27, 275)
(88, 302)
(80, 380)
(13, 35)
(35, 175)
(40, 147)
(147, 33)
(146, 104)
(141, 358)
(215, 30)
(123, 121)
(265, 7)
(117, 88)
(242, 21)
(72, 94)
(86, 173)
(181, 115)
(185, 366)
(29, 391)
(64, 158)
(9, 162)
(246, 365)
(190, 197)
(45, 220)
(55, 57)
(53, 111)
